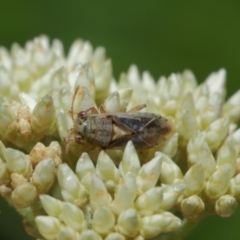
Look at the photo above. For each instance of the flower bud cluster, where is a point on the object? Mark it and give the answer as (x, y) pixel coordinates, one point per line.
(112, 194)
(105, 202)
(24, 177)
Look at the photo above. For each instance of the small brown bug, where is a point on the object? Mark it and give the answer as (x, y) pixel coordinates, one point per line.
(114, 130)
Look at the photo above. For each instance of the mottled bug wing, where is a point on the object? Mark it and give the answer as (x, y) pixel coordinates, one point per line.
(145, 130)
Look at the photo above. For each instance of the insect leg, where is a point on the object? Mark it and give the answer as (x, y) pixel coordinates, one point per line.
(102, 108)
(137, 108)
(68, 140)
(74, 96)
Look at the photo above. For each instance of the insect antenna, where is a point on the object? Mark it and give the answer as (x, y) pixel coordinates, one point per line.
(137, 108)
(74, 96)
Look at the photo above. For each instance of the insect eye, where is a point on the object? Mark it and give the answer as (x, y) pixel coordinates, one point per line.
(82, 114)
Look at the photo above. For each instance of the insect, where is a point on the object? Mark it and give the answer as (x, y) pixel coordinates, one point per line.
(114, 130)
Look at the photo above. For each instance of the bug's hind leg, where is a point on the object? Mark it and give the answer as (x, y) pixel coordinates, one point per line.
(137, 108)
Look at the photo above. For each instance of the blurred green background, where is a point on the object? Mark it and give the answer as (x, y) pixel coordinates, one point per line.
(160, 36)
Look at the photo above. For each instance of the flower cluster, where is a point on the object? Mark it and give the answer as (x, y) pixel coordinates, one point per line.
(66, 190)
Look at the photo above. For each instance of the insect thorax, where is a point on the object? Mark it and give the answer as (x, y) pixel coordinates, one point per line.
(98, 130)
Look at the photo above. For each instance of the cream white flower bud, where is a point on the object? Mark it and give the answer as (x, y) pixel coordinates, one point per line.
(128, 223)
(48, 226)
(130, 183)
(147, 81)
(205, 157)
(218, 183)
(72, 190)
(130, 161)
(115, 236)
(148, 202)
(23, 119)
(17, 162)
(153, 225)
(23, 112)
(227, 155)
(37, 153)
(186, 126)
(170, 172)
(149, 173)
(234, 139)
(125, 96)
(98, 59)
(193, 147)
(189, 81)
(226, 206)
(112, 103)
(24, 129)
(106, 169)
(187, 104)
(114, 87)
(192, 206)
(55, 149)
(194, 180)
(98, 193)
(171, 193)
(216, 132)
(52, 206)
(73, 217)
(170, 146)
(85, 77)
(84, 170)
(89, 234)
(133, 75)
(86, 100)
(234, 188)
(199, 95)
(67, 233)
(123, 200)
(216, 82)
(44, 175)
(79, 52)
(24, 195)
(58, 83)
(5, 191)
(43, 116)
(5, 58)
(64, 123)
(175, 223)
(62, 99)
(17, 179)
(186, 119)
(103, 220)
(6, 118)
(216, 100)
